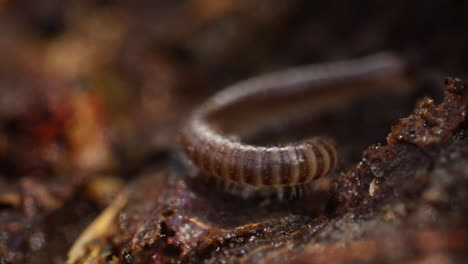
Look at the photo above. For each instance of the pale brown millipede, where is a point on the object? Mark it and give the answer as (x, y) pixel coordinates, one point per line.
(205, 139)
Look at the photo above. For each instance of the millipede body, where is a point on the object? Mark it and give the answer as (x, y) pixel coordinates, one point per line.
(206, 137)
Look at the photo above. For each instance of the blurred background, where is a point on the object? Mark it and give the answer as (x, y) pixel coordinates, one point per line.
(91, 92)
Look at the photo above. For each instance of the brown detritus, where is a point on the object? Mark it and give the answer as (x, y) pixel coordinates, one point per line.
(455, 85)
(179, 226)
(145, 64)
(430, 124)
(103, 189)
(392, 248)
(404, 201)
(38, 175)
(419, 136)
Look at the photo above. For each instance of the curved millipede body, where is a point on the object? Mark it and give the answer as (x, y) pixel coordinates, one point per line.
(207, 144)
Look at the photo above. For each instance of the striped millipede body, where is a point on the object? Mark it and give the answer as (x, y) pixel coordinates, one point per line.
(205, 140)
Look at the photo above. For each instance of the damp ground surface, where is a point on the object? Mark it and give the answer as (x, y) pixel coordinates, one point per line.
(92, 95)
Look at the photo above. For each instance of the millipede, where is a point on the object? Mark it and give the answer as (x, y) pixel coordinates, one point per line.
(212, 136)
